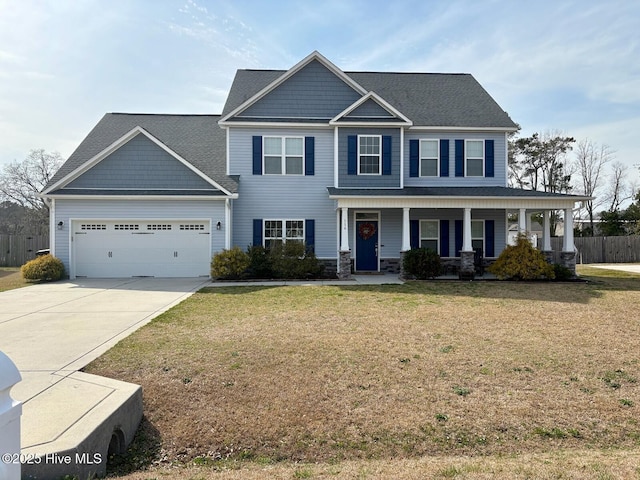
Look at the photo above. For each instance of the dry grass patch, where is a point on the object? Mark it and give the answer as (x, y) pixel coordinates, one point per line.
(11, 278)
(262, 375)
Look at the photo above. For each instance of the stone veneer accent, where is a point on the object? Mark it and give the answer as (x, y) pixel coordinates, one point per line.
(467, 268)
(345, 265)
(568, 260)
(548, 256)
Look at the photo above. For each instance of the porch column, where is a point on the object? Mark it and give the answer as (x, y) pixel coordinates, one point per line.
(568, 254)
(546, 231)
(466, 231)
(467, 256)
(522, 221)
(344, 261)
(406, 230)
(344, 232)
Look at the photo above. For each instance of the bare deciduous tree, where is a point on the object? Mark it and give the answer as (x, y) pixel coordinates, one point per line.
(21, 182)
(591, 160)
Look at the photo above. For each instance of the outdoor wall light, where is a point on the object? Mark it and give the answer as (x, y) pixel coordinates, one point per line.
(218, 225)
(60, 225)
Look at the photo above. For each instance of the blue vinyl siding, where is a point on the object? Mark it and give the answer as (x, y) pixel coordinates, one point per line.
(282, 196)
(312, 93)
(140, 164)
(347, 170)
(499, 163)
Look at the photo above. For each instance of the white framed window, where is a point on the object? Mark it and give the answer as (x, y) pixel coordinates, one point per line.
(429, 158)
(277, 232)
(474, 158)
(283, 155)
(430, 234)
(477, 234)
(369, 154)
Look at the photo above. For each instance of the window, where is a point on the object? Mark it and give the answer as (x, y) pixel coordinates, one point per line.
(277, 232)
(430, 234)
(283, 155)
(477, 234)
(369, 154)
(474, 158)
(429, 158)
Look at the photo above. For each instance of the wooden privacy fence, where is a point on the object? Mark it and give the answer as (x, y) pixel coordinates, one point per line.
(16, 250)
(604, 249)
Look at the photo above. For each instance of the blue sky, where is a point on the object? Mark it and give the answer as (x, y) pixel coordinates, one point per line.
(568, 66)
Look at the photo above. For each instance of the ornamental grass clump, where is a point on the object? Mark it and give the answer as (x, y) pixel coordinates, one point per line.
(522, 262)
(45, 268)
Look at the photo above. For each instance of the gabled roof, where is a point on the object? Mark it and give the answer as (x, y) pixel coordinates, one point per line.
(349, 115)
(195, 139)
(426, 99)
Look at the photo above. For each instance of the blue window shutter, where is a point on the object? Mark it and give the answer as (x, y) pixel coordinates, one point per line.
(257, 232)
(257, 155)
(444, 158)
(490, 238)
(488, 158)
(386, 155)
(414, 158)
(414, 233)
(444, 238)
(310, 234)
(352, 155)
(459, 158)
(309, 155)
(458, 229)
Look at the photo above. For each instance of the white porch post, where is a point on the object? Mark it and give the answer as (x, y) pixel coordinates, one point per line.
(567, 243)
(546, 231)
(344, 234)
(406, 233)
(522, 221)
(466, 231)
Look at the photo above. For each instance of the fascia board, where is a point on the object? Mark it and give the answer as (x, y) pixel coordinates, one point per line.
(380, 101)
(143, 197)
(315, 55)
(466, 129)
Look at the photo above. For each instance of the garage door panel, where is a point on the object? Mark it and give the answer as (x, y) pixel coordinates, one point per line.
(128, 248)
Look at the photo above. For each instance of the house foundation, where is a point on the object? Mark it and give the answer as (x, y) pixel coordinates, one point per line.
(467, 268)
(568, 260)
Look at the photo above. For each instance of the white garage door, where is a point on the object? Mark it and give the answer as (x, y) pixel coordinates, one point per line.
(128, 248)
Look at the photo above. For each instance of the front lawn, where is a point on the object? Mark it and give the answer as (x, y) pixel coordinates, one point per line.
(413, 380)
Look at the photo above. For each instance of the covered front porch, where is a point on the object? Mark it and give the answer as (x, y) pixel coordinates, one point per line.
(460, 224)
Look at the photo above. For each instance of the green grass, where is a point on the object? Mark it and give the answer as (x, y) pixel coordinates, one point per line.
(360, 377)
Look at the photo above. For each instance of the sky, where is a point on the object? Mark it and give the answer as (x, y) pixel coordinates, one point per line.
(571, 67)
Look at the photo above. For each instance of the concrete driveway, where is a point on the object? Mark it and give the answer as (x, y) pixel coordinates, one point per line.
(51, 331)
(625, 267)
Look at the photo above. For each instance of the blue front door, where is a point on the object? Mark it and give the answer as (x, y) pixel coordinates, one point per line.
(367, 245)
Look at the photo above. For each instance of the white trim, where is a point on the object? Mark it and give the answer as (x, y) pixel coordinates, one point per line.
(238, 123)
(284, 229)
(421, 237)
(141, 197)
(93, 161)
(315, 55)
(228, 215)
(382, 103)
(420, 157)
(336, 176)
(52, 227)
(401, 158)
(466, 157)
(355, 232)
(283, 156)
(379, 137)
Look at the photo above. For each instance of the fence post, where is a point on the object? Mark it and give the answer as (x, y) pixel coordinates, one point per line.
(10, 412)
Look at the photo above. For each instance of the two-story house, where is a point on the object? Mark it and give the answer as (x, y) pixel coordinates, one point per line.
(361, 166)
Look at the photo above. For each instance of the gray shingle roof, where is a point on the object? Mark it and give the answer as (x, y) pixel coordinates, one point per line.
(428, 99)
(196, 138)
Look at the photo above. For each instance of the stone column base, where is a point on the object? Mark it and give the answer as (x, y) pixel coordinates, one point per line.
(467, 268)
(548, 256)
(402, 275)
(344, 262)
(568, 260)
